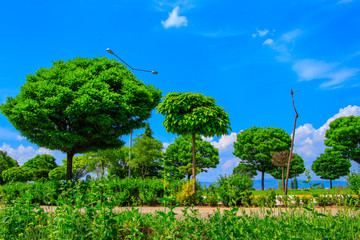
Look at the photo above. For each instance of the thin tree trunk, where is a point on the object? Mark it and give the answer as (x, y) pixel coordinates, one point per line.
(292, 144)
(262, 180)
(282, 179)
(330, 184)
(69, 161)
(194, 162)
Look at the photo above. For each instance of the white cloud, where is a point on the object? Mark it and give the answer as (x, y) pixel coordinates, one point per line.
(310, 69)
(165, 146)
(309, 142)
(225, 143)
(174, 19)
(268, 41)
(22, 154)
(208, 139)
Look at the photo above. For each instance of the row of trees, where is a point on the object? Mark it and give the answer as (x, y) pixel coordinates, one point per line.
(86, 105)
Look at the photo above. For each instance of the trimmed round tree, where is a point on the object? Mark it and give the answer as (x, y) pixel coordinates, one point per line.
(192, 114)
(255, 145)
(40, 165)
(6, 162)
(80, 105)
(344, 136)
(178, 156)
(280, 160)
(245, 169)
(331, 165)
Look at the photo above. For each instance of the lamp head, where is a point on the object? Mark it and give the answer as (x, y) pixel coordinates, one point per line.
(109, 50)
(153, 72)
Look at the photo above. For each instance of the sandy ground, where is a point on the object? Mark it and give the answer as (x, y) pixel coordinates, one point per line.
(205, 212)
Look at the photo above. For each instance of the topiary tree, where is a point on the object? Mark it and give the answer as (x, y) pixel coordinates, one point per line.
(80, 105)
(344, 136)
(179, 156)
(245, 169)
(6, 162)
(40, 165)
(17, 174)
(192, 114)
(255, 145)
(280, 160)
(331, 165)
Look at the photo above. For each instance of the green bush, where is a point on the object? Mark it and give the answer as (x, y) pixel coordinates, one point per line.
(354, 182)
(231, 189)
(17, 174)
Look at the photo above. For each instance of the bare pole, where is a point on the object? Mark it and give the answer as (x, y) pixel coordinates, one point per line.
(292, 144)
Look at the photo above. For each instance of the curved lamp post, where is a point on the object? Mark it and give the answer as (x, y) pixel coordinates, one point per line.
(133, 69)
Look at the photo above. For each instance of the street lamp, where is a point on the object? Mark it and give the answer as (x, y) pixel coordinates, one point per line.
(133, 69)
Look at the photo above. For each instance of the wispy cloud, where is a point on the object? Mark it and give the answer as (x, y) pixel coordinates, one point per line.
(333, 74)
(174, 20)
(261, 33)
(310, 69)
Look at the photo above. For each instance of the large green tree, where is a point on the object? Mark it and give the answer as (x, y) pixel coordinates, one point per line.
(280, 160)
(255, 145)
(146, 155)
(344, 136)
(193, 114)
(331, 165)
(6, 162)
(80, 105)
(40, 165)
(178, 156)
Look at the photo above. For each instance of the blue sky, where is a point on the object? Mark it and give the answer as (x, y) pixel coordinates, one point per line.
(247, 55)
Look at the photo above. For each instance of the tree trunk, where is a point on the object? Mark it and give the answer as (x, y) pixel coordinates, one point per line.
(262, 180)
(69, 166)
(330, 184)
(283, 179)
(194, 162)
(188, 176)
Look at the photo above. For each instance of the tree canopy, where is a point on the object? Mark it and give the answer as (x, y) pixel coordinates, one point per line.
(178, 156)
(193, 113)
(255, 145)
(331, 165)
(6, 162)
(40, 165)
(245, 169)
(344, 136)
(80, 105)
(146, 155)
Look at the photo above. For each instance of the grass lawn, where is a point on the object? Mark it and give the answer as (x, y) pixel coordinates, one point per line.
(333, 191)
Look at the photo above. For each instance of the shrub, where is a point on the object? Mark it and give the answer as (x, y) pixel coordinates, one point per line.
(16, 174)
(354, 182)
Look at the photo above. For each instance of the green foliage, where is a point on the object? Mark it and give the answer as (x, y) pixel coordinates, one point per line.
(297, 167)
(40, 165)
(354, 182)
(79, 170)
(6, 162)
(193, 113)
(17, 174)
(232, 189)
(146, 156)
(296, 185)
(331, 165)
(255, 145)
(81, 105)
(25, 220)
(245, 169)
(186, 193)
(344, 136)
(178, 156)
